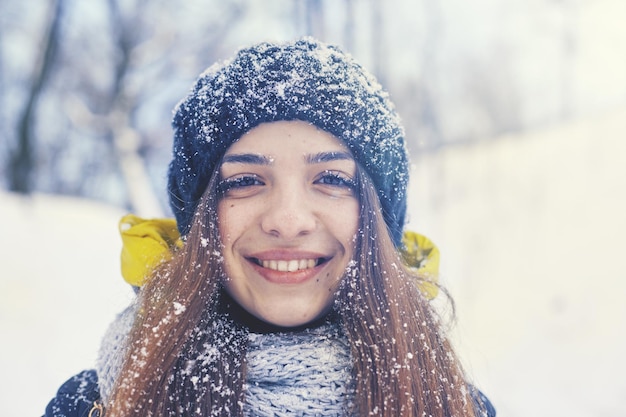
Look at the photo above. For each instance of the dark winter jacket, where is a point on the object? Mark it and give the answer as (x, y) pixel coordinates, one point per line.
(76, 397)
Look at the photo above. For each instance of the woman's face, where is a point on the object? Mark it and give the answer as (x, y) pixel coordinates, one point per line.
(288, 218)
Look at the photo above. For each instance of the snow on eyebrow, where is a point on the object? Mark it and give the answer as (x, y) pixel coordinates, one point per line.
(321, 157)
(247, 158)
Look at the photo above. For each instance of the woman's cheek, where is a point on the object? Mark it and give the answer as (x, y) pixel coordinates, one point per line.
(233, 219)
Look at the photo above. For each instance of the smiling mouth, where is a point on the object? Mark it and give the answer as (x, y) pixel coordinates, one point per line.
(289, 265)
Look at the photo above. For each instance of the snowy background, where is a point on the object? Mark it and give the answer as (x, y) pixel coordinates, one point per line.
(531, 231)
(532, 236)
(516, 115)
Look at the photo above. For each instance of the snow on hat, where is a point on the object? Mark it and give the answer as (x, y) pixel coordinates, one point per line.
(303, 80)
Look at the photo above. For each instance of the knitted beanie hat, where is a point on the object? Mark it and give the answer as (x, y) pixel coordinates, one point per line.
(303, 80)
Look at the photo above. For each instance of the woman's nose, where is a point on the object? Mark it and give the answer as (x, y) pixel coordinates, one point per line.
(289, 213)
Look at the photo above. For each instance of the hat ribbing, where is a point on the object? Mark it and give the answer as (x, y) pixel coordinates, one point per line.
(304, 80)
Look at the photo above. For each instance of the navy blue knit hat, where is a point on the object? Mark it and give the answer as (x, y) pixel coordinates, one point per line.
(304, 80)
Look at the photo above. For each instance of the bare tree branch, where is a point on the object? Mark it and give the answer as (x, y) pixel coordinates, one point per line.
(21, 159)
(133, 40)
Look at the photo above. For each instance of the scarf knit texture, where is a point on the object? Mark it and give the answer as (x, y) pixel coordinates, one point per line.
(305, 372)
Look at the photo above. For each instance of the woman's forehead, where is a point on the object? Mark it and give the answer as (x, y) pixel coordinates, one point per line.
(285, 136)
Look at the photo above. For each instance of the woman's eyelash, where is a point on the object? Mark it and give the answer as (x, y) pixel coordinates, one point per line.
(237, 182)
(331, 178)
(337, 179)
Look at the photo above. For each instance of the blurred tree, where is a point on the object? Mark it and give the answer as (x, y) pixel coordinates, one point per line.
(418, 95)
(4, 137)
(379, 57)
(92, 117)
(349, 29)
(20, 160)
(314, 16)
(147, 47)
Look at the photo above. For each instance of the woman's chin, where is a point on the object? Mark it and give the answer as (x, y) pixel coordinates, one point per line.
(291, 316)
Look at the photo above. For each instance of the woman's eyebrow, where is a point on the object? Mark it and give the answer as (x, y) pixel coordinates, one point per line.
(321, 157)
(257, 159)
(246, 158)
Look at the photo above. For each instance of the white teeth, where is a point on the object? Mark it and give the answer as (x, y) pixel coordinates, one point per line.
(289, 266)
(292, 266)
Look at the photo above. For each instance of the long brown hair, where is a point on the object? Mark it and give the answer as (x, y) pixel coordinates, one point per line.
(178, 315)
(403, 364)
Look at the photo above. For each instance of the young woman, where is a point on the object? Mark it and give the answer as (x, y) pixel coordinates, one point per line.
(289, 293)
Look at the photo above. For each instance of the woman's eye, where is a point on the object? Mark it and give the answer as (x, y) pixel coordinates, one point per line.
(336, 179)
(239, 183)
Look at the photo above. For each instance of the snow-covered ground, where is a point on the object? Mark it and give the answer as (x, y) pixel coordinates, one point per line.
(532, 234)
(59, 289)
(531, 231)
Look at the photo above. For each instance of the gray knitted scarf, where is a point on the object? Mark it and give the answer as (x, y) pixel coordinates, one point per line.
(305, 372)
